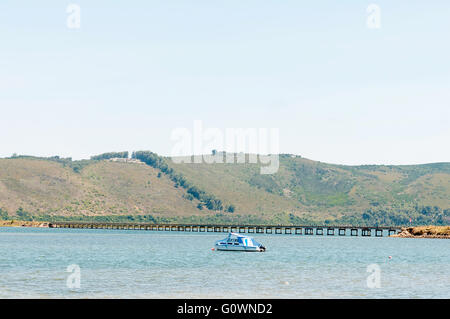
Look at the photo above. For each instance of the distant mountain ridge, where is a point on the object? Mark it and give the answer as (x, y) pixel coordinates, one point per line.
(301, 191)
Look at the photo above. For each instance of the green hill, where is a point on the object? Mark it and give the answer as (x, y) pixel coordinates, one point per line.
(302, 191)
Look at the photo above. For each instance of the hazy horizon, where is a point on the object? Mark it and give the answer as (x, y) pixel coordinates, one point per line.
(168, 155)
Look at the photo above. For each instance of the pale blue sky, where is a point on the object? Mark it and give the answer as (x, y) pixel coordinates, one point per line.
(338, 91)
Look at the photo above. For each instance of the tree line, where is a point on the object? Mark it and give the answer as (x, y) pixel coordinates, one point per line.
(109, 155)
(418, 215)
(206, 200)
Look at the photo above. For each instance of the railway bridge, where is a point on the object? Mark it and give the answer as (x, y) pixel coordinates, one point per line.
(307, 230)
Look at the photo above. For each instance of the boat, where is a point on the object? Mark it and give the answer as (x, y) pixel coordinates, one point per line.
(238, 242)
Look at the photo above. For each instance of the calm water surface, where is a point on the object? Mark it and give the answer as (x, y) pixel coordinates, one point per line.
(148, 264)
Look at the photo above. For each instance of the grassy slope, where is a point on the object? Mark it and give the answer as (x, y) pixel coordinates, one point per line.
(325, 190)
(302, 187)
(46, 187)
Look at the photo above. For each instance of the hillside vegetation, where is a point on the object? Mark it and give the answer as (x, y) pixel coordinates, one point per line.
(153, 188)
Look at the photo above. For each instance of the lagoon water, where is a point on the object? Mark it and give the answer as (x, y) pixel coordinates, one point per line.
(150, 264)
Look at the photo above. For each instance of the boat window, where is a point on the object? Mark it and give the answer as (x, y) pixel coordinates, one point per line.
(236, 243)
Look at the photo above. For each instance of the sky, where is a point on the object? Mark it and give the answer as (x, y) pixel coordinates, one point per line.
(337, 90)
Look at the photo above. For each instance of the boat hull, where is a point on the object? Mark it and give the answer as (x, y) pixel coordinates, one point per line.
(238, 248)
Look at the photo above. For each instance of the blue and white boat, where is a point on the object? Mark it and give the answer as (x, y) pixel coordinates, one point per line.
(238, 242)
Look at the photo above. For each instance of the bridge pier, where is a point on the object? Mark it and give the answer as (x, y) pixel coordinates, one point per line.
(319, 231)
(342, 231)
(298, 231)
(366, 232)
(330, 231)
(308, 231)
(354, 232)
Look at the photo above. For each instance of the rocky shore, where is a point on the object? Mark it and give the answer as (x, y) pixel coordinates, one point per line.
(21, 223)
(424, 232)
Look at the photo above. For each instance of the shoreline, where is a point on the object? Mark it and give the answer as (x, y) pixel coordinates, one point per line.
(21, 223)
(437, 232)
